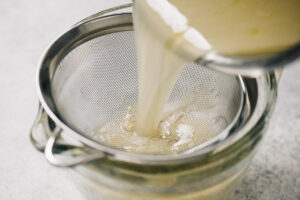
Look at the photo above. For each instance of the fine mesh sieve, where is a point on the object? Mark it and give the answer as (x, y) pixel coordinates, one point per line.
(88, 78)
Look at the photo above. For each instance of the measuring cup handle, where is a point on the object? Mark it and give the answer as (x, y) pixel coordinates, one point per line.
(67, 160)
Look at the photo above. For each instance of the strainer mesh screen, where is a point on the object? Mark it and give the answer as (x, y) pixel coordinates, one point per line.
(97, 81)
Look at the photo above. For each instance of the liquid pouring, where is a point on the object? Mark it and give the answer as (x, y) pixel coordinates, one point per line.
(170, 35)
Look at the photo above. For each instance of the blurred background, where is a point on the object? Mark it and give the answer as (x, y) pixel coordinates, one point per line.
(26, 30)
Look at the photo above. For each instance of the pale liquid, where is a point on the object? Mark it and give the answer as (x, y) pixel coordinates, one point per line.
(159, 65)
(177, 132)
(170, 35)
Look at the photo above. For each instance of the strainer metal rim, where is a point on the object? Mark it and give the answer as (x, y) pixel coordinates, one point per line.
(78, 32)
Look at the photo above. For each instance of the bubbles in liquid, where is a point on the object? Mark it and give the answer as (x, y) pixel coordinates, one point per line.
(177, 132)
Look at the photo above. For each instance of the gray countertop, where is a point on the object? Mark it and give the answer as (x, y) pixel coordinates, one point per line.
(26, 28)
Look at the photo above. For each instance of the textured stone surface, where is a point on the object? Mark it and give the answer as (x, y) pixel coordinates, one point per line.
(27, 27)
(275, 170)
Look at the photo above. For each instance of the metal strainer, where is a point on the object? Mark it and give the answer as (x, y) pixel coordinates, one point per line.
(88, 77)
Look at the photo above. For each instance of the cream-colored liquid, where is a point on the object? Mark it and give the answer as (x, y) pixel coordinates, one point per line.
(244, 27)
(170, 35)
(176, 132)
(158, 61)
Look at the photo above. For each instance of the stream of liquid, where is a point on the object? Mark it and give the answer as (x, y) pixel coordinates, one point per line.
(173, 33)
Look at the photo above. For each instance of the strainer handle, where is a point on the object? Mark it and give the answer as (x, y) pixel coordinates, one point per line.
(38, 137)
(46, 142)
(67, 160)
